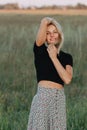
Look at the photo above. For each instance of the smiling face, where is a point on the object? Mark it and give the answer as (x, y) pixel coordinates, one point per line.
(52, 35)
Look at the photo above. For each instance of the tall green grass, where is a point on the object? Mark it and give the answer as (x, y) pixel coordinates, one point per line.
(17, 73)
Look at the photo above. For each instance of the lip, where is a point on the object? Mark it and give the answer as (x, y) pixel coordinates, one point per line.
(52, 39)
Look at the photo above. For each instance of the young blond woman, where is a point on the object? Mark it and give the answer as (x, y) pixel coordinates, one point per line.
(53, 70)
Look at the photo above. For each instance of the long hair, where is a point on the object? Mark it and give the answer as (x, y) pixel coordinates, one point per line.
(59, 29)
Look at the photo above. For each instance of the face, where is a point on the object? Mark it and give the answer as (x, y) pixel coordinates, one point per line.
(52, 35)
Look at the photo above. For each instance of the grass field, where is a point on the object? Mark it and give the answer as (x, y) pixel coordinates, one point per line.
(17, 73)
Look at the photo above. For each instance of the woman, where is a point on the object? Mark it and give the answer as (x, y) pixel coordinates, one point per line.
(53, 70)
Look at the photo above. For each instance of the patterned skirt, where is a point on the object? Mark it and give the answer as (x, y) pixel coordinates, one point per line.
(48, 110)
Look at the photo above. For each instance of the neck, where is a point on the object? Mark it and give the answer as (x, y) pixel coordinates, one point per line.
(56, 45)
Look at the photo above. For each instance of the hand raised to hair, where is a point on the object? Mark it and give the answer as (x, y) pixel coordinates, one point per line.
(46, 20)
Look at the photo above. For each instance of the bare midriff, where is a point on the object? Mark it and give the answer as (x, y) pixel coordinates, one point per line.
(49, 84)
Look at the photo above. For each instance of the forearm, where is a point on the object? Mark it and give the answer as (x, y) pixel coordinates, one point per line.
(65, 76)
(41, 35)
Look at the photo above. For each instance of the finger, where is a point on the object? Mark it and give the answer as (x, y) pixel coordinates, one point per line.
(50, 46)
(48, 49)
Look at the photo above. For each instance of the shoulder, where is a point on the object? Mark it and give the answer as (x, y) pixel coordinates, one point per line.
(36, 47)
(67, 58)
(65, 54)
(39, 49)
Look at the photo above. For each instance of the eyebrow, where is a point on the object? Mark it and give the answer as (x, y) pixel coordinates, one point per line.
(53, 30)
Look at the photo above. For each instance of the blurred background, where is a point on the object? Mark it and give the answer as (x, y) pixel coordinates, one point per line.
(19, 22)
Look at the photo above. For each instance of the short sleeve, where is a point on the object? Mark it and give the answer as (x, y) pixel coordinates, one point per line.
(69, 60)
(38, 49)
(35, 47)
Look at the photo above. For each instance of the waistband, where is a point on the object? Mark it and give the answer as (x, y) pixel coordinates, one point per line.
(50, 84)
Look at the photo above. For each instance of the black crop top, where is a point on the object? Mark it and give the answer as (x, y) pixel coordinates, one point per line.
(45, 69)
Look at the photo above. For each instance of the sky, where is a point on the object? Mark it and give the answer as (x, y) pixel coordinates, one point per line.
(39, 3)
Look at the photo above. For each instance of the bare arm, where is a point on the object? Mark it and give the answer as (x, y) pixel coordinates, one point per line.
(64, 73)
(41, 35)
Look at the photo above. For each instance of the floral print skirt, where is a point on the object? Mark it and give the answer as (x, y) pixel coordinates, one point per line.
(48, 110)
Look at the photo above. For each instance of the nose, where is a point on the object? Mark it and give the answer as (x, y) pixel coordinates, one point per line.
(51, 34)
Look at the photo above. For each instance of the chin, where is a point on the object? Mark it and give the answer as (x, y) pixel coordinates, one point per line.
(52, 43)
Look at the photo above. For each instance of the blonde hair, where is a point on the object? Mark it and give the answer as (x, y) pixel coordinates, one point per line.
(59, 29)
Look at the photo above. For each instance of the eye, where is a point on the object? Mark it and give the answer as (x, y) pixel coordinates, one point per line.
(55, 32)
(48, 33)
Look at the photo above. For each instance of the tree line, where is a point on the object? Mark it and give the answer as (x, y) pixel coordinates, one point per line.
(16, 7)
